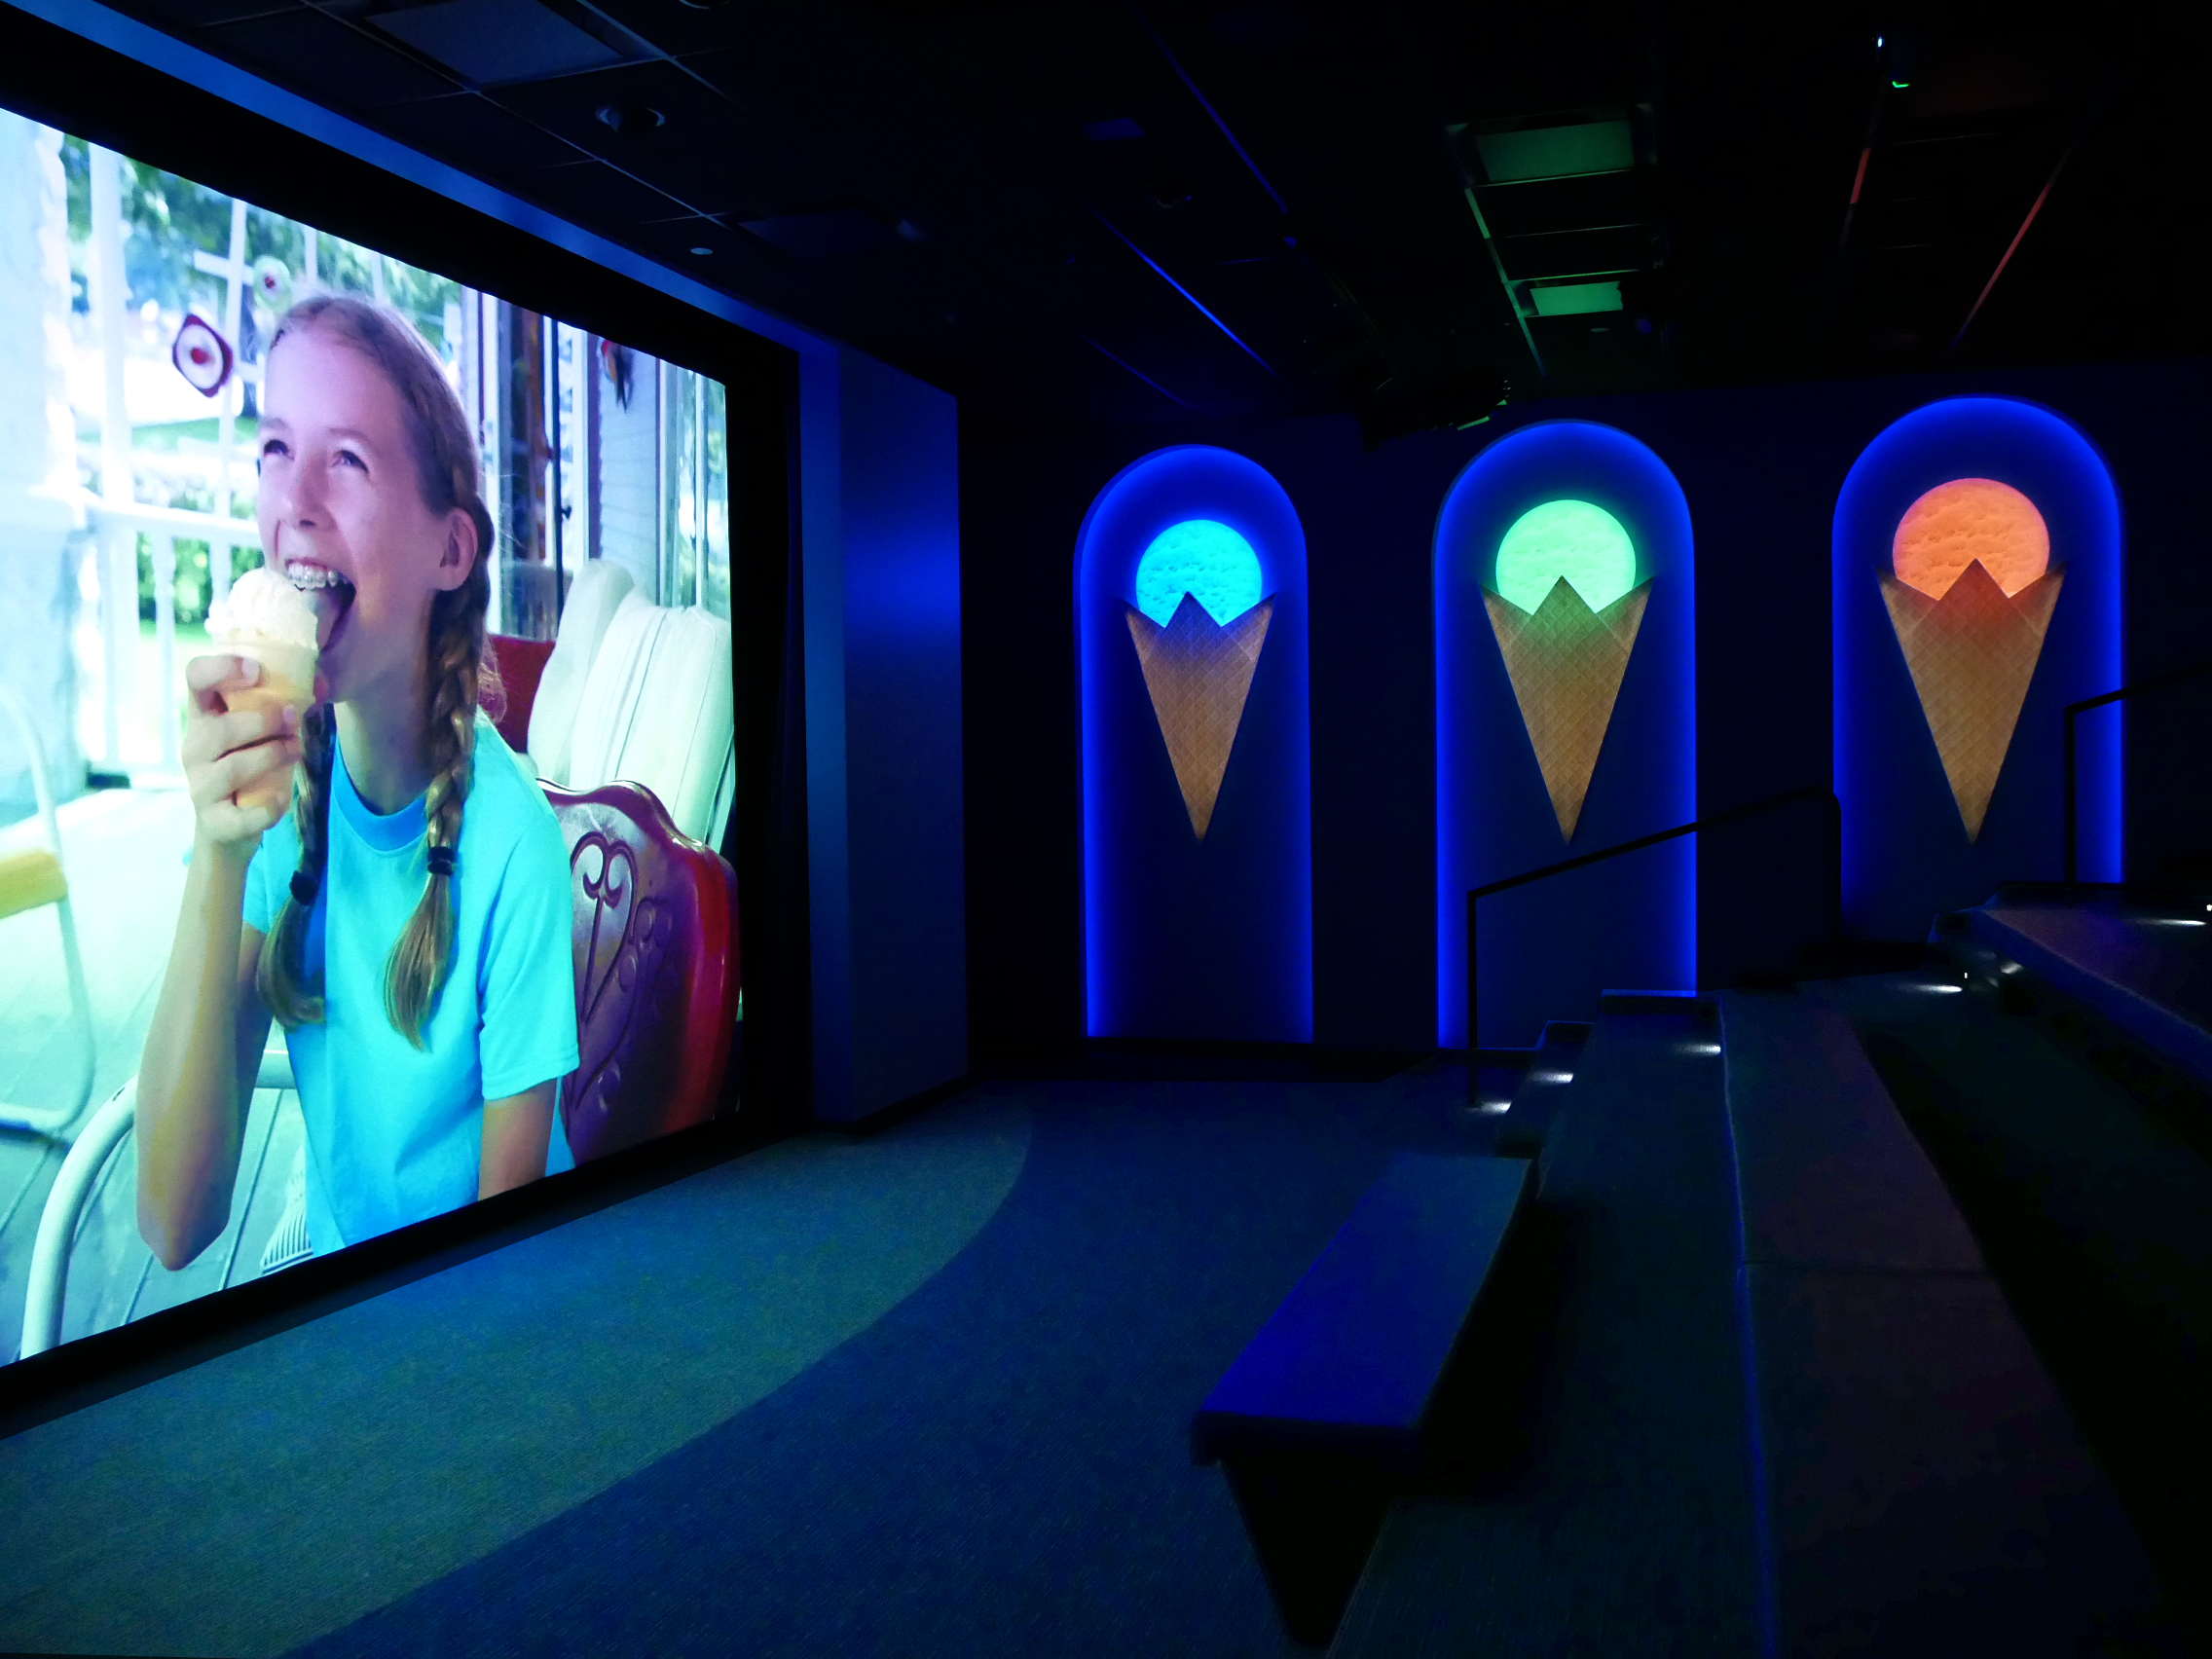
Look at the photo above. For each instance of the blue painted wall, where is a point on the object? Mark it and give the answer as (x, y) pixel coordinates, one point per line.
(1548, 949)
(1907, 856)
(886, 850)
(1762, 468)
(1183, 938)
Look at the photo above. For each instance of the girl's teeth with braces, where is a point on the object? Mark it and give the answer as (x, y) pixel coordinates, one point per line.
(309, 578)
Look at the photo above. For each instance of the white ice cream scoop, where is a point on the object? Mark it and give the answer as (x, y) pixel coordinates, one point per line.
(267, 618)
(270, 620)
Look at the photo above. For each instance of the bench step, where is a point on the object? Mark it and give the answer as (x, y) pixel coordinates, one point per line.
(1326, 1416)
(1536, 1101)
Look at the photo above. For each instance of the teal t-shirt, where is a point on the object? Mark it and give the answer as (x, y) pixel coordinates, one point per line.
(395, 1133)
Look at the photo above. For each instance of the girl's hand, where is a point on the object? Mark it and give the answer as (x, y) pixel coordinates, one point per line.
(228, 750)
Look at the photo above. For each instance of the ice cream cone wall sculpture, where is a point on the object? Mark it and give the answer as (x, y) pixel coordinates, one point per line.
(1565, 580)
(1199, 626)
(1971, 595)
(1976, 572)
(1198, 810)
(1566, 616)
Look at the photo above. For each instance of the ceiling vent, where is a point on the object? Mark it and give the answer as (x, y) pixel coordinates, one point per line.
(489, 42)
(1562, 151)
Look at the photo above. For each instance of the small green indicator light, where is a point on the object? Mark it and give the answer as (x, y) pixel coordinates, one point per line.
(1900, 85)
(1584, 544)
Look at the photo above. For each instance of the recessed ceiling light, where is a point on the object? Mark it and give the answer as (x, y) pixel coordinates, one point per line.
(702, 252)
(630, 117)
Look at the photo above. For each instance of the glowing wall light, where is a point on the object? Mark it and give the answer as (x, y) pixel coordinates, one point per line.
(1977, 565)
(1208, 560)
(1565, 705)
(1970, 596)
(1567, 615)
(1197, 811)
(1577, 542)
(1199, 624)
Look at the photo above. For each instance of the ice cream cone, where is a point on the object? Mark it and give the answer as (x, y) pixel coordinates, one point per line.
(264, 618)
(273, 789)
(1200, 674)
(1566, 663)
(1971, 654)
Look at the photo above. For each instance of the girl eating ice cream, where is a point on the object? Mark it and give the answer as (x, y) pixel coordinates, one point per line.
(406, 920)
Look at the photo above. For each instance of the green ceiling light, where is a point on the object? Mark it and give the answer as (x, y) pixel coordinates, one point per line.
(1575, 539)
(1576, 299)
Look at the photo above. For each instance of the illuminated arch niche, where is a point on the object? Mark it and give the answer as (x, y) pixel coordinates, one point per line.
(1565, 721)
(1977, 591)
(1196, 815)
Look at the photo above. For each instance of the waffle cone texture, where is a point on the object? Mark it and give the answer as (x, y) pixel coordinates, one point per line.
(1565, 662)
(1971, 654)
(1200, 672)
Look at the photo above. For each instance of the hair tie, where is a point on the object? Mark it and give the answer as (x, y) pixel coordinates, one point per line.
(303, 885)
(441, 860)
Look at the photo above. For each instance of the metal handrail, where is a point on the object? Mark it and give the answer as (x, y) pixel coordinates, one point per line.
(1733, 815)
(2157, 682)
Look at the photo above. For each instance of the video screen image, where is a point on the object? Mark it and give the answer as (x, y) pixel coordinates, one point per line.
(366, 742)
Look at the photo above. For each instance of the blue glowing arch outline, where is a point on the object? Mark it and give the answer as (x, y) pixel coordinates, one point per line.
(1610, 468)
(1187, 481)
(2058, 466)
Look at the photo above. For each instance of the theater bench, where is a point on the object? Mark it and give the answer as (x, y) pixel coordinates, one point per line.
(1331, 1412)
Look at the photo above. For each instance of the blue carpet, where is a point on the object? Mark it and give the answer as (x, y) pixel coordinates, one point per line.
(1000, 1465)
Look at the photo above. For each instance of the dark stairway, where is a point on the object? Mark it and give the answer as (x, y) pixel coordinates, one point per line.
(1625, 1527)
(2084, 1171)
(1780, 1402)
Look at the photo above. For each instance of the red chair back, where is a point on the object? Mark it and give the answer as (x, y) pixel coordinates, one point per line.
(521, 665)
(657, 957)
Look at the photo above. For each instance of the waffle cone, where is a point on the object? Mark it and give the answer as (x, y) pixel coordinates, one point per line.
(1200, 674)
(1971, 654)
(273, 789)
(1566, 663)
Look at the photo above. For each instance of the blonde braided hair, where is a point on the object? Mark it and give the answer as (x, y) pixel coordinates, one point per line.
(459, 674)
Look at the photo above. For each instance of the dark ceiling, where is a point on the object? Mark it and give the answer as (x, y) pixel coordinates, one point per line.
(1083, 210)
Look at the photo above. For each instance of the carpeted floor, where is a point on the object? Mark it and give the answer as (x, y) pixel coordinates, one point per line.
(884, 1398)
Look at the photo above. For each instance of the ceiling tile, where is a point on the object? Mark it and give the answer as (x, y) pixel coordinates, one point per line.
(199, 14)
(491, 40)
(475, 134)
(712, 156)
(321, 55)
(595, 194)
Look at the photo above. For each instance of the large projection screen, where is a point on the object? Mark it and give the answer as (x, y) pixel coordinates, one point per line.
(455, 482)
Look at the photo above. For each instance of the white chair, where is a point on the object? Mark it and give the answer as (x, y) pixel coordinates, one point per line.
(32, 878)
(594, 596)
(639, 692)
(46, 1284)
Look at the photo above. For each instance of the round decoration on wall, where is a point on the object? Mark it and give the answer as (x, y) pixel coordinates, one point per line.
(1577, 543)
(202, 355)
(1204, 559)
